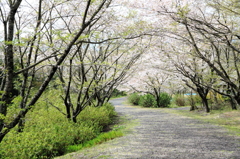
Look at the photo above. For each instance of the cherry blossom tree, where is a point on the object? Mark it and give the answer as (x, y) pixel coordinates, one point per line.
(34, 33)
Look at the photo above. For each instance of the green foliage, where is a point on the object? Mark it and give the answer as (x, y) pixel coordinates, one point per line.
(47, 133)
(147, 100)
(118, 93)
(97, 115)
(165, 99)
(183, 11)
(134, 98)
(197, 99)
(13, 109)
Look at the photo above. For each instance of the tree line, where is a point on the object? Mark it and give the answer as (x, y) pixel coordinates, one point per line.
(209, 55)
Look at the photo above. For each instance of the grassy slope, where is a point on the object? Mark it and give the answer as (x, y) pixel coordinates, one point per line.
(227, 118)
(120, 126)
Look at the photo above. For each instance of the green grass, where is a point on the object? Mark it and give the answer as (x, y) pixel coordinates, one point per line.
(103, 137)
(120, 127)
(227, 118)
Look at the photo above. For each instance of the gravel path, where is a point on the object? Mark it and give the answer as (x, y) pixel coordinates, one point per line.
(164, 136)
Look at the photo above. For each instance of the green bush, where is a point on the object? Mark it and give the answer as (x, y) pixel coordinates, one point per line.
(197, 99)
(165, 99)
(97, 115)
(118, 93)
(134, 98)
(147, 100)
(47, 132)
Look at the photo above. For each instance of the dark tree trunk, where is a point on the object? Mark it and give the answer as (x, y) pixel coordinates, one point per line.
(158, 101)
(192, 108)
(237, 98)
(157, 97)
(68, 110)
(203, 94)
(21, 125)
(234, 102)
(205, 104)
(1, 137)
(74, 119)
(9, 64)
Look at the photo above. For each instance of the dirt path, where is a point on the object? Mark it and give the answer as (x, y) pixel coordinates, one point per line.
(164, 136)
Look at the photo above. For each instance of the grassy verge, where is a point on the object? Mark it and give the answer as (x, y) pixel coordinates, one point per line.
(103, 137)
(227, 118)
(112, 131)
(120, 126)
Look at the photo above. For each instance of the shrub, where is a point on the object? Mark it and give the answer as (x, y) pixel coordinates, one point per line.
(180, 100)
(147, 100)
(97, 115)
(47, 133)
(118, 93)
(197, 99)
(134, 98)
(45, 140)
(165, 99)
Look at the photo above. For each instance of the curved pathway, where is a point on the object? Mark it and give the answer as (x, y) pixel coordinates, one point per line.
(164, 136)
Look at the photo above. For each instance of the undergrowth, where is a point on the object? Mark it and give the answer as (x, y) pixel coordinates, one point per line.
(103, 137)
(121, 127)
(149, 100)
(48, 133)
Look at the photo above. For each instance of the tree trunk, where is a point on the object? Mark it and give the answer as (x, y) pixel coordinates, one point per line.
(157, 97)
(74, 119)
(192, 108)
(237, 98)
(9, 64)
(21, 125)
(234, 103)
(68, 110)
(1, 137)
(158, 101)
(205, 104)
(203, 94)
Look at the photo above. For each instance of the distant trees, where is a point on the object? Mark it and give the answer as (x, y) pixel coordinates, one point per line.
(211, 37)
(154, 80)
(155, 84)
(197, 77)
(201, 38)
